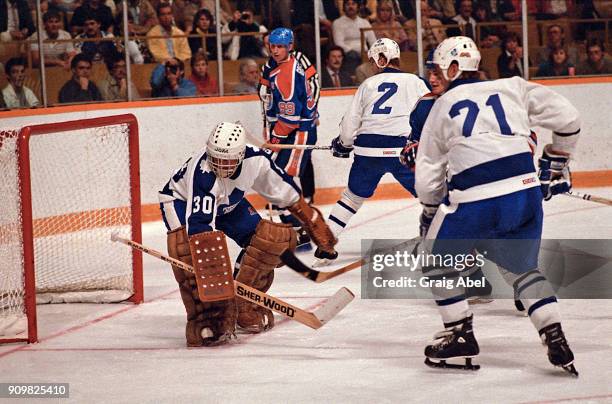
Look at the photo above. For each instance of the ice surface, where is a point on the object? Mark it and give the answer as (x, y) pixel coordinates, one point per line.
(371, 352)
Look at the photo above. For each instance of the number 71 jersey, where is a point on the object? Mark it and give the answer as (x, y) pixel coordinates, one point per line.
(476, 138)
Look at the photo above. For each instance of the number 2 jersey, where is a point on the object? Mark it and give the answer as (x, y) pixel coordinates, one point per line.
(206, 196)
(378, 120)
(474, 144)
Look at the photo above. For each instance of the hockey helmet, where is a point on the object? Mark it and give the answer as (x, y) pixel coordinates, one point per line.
(460, 49)
(388, 47)
(281, 36)
(225, 148)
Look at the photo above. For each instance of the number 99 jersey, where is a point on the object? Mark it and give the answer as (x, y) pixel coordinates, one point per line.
(475, 139)
(379, 115)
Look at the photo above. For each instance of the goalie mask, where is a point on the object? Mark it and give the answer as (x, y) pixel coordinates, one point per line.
(225, 149)
(460, 49)
(387, 47)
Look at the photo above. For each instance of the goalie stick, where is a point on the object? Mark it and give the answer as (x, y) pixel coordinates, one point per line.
(589, 197)
(315, 320)
(289, 259)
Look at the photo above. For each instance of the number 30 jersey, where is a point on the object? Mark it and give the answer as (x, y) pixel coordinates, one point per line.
(378, 120)
(474, 144)
(206, 196)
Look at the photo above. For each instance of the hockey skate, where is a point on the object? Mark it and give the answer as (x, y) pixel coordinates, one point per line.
(323, 258)
(457, 342)
(559, 352)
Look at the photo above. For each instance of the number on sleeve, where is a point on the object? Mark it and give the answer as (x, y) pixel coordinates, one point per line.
(388, 89)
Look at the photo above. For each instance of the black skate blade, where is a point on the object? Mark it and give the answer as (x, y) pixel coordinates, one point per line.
(571, 369)
(444, 365)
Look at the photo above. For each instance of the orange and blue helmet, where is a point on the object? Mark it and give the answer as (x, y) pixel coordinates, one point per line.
(281, 36)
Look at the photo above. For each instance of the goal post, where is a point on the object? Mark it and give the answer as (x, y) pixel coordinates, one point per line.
(65, 188)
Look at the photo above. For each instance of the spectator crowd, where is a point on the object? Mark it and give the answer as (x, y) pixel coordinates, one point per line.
(177, 39)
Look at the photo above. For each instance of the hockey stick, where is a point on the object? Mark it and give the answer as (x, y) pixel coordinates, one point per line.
(295, 146)
(589, 197)
(315, 320)
(289, 259)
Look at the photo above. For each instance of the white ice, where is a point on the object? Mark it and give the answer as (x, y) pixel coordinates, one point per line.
(371, 352)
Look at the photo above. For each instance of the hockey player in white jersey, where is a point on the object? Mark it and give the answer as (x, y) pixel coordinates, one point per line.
(207, 193)
(376, 128)
(476, 179)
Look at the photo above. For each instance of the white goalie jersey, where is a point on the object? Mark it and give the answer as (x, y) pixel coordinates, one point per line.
(475, 140)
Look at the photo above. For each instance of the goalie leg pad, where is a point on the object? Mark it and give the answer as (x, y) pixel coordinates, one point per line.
(212, 266)
(314, 224)
(257, 270)
(208, 324)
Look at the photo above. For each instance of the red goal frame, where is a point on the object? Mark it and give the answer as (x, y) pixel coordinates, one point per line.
(26, 205)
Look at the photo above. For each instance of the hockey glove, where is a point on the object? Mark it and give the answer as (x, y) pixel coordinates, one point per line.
(408, 154)
(554, 173)
(429, 211)
(339, 150)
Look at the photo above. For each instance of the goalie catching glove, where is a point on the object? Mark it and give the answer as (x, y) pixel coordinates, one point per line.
(554, 173)
(312, 221)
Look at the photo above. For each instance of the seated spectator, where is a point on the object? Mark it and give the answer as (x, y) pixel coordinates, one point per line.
(432, 30)
(168, 46)
(363, 71)
(510, 61)
(114, 87)
(168, 80)
(558, 64)
(347, 35)
(205, 83)
(96, 51)
(467, 23)
(226, 9)
(506, 10)
(555, 38)
(597, 61)
(64, 6)
(247, 46)
(386, 26)
(15, 20)
(55, 53)
(332, 75)
(142, 13)
(488, 34)
(80, 88)
(553, 9)
(443, 10)
(203, 23)
(92, 8)
(15, 94)
(249, 77)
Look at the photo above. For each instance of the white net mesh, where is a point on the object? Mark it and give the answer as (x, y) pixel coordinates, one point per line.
(80, 196)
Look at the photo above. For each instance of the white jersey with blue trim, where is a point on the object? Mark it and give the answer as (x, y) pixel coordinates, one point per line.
(208, 196)
(378, 120)
(474, 144)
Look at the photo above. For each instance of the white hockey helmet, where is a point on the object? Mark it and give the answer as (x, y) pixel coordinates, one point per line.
(225, 148)
(460, 49)
(388, 47)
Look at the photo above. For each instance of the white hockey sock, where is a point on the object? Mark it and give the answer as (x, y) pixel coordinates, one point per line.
(542, 312)
(343, 211)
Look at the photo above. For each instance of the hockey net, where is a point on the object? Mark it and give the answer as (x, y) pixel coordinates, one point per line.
(64, 189)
